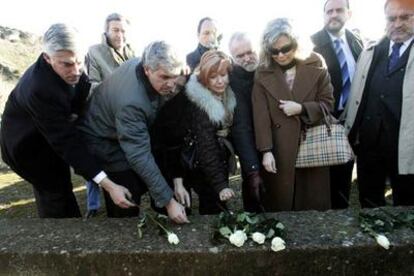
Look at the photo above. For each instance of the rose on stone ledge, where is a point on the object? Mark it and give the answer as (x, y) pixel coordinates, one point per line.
(171, 236)
(236, 228)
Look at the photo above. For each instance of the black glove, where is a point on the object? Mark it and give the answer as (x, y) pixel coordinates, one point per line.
(255, 186)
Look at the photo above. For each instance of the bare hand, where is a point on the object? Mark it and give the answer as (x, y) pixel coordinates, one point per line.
(176, 212)
(180, 193)
(290, 108)
(226, 194)
(119, 194)
(269, 162)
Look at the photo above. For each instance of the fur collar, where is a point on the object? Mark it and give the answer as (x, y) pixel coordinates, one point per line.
(203, 98)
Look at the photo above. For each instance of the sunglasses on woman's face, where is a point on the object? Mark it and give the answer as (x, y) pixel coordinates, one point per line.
(284, 50)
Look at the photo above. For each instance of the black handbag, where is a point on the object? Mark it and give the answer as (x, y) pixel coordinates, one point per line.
(189, 152)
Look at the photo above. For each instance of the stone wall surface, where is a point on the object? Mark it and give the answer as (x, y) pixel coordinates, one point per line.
(317, 243)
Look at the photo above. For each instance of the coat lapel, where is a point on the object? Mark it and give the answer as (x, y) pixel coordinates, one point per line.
(304, 81)
(354, 44)
(274, 82)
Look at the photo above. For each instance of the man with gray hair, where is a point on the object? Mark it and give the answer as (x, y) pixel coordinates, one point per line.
(121, 113)
(102, 60)
(241, 81)
(39, 139)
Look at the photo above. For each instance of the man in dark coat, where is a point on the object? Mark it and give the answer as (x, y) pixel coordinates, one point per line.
(122, 110)
(241, 81)
(341, 66)
(208, 38)
(39, 140)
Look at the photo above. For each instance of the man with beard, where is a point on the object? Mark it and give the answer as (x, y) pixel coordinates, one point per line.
(241, 81)
(340, 49)
(39, 139)
(208, 38)
(379, 115)
(102, 60)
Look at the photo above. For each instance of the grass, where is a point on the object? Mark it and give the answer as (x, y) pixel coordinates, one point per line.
(18, 56)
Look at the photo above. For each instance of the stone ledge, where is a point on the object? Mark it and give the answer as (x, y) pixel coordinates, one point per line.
(328, 243)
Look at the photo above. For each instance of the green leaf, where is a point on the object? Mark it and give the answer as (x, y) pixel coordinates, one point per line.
(252, 219)
(225, 231)
(270, 233)
(241, 217)
(280, 226)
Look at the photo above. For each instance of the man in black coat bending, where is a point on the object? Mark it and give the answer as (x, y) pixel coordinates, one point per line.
(39, 139)
(340, 48)
(241, 81)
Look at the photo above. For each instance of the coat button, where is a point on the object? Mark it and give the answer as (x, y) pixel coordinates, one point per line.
(357, 102)
(277, 126)
(382, 96)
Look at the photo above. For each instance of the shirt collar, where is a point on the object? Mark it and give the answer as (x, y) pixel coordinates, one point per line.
(404, 45)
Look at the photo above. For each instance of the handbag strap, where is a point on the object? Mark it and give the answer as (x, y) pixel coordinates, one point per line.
(327, 118)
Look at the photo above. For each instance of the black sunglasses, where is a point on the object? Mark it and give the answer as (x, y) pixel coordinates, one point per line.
(284, 50)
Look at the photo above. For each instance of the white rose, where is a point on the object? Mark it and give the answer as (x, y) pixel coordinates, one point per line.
(258, 237)
(238, 238)
(383, 241)
(173, 238)
(278, 244)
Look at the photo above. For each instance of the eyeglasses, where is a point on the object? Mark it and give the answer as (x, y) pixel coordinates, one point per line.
(284, 50)
(402, 18)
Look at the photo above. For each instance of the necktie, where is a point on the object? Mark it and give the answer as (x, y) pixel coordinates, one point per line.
(395, 56)
(346, 80)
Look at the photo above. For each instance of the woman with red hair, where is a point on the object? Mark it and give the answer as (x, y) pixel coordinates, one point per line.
(190, 135)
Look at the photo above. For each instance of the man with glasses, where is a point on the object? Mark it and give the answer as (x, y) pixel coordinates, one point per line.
(241, 81)
(340, 48)
(379, 111)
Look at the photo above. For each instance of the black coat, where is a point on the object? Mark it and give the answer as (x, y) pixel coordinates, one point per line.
(186, 113)
(241, 81)
(38, 122)
(323, 45)
(193, 58)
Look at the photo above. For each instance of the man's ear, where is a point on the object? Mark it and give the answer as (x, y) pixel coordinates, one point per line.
(147, 71)
(47, 58)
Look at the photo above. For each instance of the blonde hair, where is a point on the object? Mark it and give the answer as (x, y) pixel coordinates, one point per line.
(273, 31)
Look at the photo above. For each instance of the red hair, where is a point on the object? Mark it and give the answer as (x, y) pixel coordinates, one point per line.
(212, 62)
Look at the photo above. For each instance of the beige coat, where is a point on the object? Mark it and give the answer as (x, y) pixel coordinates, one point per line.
(291, 188)
(102, 60)
(406, 135)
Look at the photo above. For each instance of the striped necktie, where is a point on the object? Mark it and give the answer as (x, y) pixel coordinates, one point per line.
(346, 80)
(395, 56)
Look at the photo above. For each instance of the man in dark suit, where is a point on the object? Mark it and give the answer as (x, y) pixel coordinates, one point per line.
(340, 49)
(208, 38)
(241, 81)
(379, 115)
(39, 140)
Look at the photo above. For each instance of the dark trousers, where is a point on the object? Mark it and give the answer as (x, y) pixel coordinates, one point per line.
(52, 185)
(374, 165)
(209, 201)
(130, 180)
(341, 177)
(249, 204)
